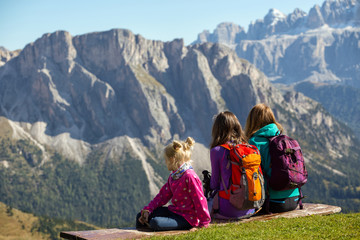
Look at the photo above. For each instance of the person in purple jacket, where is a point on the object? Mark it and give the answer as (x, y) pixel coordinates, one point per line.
(188, 206)
(226, 129)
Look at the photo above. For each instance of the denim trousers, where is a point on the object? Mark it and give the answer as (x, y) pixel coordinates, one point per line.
(162, 219)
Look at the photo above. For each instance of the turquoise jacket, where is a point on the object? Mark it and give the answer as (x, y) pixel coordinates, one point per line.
(259, 139)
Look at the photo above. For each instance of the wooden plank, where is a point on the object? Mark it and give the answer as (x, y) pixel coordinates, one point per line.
(114, 234)
(131, 233)
(104, 234)
(309, 209)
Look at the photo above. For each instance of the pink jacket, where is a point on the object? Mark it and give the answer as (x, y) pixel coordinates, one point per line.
(187, 198)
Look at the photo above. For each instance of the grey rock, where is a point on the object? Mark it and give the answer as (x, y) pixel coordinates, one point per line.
(315, 18)
(224, 32)
(6, 55)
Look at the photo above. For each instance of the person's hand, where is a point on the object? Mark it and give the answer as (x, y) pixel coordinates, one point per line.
(145, 214)
(144, 218)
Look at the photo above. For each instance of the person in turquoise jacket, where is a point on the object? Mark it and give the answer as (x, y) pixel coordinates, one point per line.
(260, 125)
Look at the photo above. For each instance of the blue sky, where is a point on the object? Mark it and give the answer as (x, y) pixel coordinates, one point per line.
(24, 21)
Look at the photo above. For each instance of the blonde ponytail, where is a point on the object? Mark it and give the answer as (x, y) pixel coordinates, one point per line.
(189, 143)
(176, 145)
(177, 153)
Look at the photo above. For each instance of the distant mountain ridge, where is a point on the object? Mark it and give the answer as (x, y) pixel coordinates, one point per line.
(319, 47)
(300, 46)
(84, 120)
(334, 13)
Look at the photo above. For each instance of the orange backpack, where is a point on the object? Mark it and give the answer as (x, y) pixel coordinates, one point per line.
(247, 182)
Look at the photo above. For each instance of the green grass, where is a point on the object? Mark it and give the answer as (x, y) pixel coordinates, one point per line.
(336, 226)
(18, 225)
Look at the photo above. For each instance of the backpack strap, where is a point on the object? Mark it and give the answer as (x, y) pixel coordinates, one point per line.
(226, 190)
(300, 199)
(276, 134)
(226, 146)
(224, 193)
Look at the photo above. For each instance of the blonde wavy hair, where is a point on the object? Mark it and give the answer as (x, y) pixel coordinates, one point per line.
(260, 116)
(178, 152)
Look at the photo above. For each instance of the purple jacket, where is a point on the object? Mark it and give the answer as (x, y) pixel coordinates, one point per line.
(219, 162)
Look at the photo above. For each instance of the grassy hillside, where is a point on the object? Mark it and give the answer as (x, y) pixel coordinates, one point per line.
(60, 188)
(18, 225)
(336, 226)
(15, 224)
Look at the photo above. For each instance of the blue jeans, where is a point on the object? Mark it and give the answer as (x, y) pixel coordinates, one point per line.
(162, 219)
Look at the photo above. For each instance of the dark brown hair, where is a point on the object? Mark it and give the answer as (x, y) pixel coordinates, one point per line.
(260, 116)
(226, 127)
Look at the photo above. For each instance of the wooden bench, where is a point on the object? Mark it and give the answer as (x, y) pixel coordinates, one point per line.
(132, 233)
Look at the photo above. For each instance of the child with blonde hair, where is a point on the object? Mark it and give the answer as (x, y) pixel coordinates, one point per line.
(188, 206)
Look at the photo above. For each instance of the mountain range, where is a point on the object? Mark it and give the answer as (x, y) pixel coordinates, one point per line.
(84, 120)
(320, 47)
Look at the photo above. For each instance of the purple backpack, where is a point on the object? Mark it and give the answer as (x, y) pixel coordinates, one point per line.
(287, 163)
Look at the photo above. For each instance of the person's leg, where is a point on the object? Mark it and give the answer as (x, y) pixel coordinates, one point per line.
(283, 205)
(163, 219)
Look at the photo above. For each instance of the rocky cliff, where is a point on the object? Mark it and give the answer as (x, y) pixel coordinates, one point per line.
(85, 119)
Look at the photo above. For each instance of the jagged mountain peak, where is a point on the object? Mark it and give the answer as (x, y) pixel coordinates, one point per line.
(296, 18)
(282, 47)
(334, 13)
(6, 55)
(224, 32)
(274, 16)
(315, 18)
(298, 12)
(340, 11)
